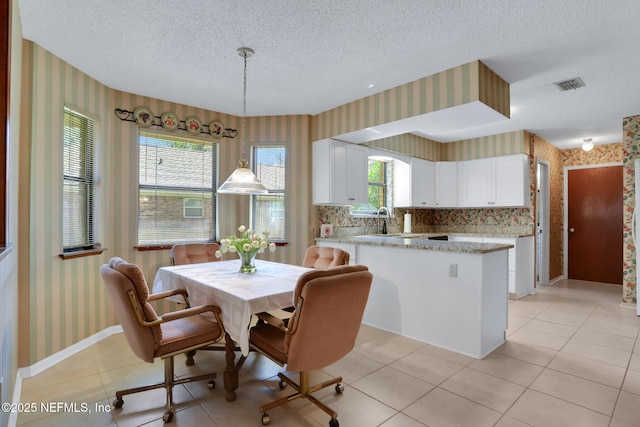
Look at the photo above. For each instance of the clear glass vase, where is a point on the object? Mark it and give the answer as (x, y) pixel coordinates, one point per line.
(247, 262)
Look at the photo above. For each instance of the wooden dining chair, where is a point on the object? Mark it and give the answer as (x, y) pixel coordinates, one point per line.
(328, 313)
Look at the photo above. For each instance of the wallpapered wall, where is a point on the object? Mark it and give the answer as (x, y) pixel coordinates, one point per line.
(66, 301)
(631, 152)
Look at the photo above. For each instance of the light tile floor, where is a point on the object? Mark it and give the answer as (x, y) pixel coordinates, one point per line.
(572, 358)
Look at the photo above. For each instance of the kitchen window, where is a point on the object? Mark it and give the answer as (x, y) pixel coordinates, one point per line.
(80, 183)
(176, 186)
(268, 210)
(380, 172)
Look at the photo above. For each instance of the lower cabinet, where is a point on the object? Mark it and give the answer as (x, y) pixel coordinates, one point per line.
(521, 262)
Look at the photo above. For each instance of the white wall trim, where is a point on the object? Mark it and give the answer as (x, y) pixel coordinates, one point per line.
(555, 280)
(48, 362)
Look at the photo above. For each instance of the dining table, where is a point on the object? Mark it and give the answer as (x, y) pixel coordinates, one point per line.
(239, 296)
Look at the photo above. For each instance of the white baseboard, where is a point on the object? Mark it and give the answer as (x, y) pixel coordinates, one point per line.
(36, 368)
(555, 279)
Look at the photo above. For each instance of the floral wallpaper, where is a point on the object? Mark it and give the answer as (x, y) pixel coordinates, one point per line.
(546, 152)
(601, 154)
(631, 152)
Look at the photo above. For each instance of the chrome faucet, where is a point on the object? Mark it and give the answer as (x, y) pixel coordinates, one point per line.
(383, 211)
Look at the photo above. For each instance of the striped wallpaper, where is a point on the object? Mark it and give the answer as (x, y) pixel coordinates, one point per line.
(409, 144)
(66, 301)
(486, 146)
(456, 86)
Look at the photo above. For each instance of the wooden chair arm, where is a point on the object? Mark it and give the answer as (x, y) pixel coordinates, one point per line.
(167, 294)
(167, 317)
(273, 321)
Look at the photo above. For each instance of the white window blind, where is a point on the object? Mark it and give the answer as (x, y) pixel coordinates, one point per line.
(177, 179)
(78, 185)
(269, 209)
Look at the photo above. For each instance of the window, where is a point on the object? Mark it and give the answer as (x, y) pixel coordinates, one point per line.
(193, 208)
(177, 178)
(379, 176)
(268, 209)
(79, 184)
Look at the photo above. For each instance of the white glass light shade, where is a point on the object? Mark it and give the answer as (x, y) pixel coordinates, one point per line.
(242, 181)
(587, 145)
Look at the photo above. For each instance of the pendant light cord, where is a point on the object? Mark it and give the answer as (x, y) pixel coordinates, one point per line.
(245, 52)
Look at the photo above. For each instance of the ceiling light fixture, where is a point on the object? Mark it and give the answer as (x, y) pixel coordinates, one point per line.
(243, 180)
(587, 145)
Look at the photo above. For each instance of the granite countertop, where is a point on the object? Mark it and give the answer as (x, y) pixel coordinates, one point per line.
(421, 241)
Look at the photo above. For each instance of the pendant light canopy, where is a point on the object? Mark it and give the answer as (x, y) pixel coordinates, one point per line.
(243, 180)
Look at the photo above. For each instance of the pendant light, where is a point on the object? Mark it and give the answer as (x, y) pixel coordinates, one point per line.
(243, 180)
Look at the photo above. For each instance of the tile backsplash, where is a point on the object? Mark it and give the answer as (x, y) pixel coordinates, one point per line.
(490, 221)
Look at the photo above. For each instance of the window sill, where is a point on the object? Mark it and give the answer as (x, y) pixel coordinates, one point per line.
(6, 250)
(142, 248)
(165, 247)
(81, 254)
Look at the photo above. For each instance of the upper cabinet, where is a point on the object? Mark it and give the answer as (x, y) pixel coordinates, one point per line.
(495, 182)
(446, 184)
(340, 173)
(414, 183)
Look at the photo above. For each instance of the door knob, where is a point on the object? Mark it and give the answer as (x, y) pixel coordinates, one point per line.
(572, 229)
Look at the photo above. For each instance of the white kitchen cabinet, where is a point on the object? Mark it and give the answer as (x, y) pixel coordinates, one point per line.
(414, 184)
(446, 184)
(495, 182)
(340, 173)
(520, 260)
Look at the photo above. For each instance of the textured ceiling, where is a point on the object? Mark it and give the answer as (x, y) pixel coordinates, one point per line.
(313, 56)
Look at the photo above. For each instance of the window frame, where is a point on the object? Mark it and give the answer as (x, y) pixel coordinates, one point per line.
(386, 172)
(185, 207)
(147, 246)
(91, 178)
(271, 192)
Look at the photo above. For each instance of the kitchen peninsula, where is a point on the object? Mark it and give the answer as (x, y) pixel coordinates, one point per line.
(451, 294)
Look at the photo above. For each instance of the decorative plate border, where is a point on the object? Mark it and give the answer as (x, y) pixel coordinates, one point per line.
(143, 116)
(216, 128)
(169, 121)
(193, 124)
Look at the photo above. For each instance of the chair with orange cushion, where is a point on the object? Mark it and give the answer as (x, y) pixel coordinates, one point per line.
(322, 257)
(325, 257)
(329, 308)
(151, 336)
(192, 253)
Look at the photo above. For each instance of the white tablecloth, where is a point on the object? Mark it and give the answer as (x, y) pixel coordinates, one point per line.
(239, 295)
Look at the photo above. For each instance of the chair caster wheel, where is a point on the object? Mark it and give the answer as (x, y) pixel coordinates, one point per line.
(265, 419)
(334, 423)
(118, 403)
(211, 384)
(339, 390)
(282, 385)
(167, 417)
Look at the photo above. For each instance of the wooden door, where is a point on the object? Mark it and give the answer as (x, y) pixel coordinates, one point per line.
(595, 224)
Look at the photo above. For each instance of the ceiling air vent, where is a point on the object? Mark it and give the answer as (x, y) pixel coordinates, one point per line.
(570, 84)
